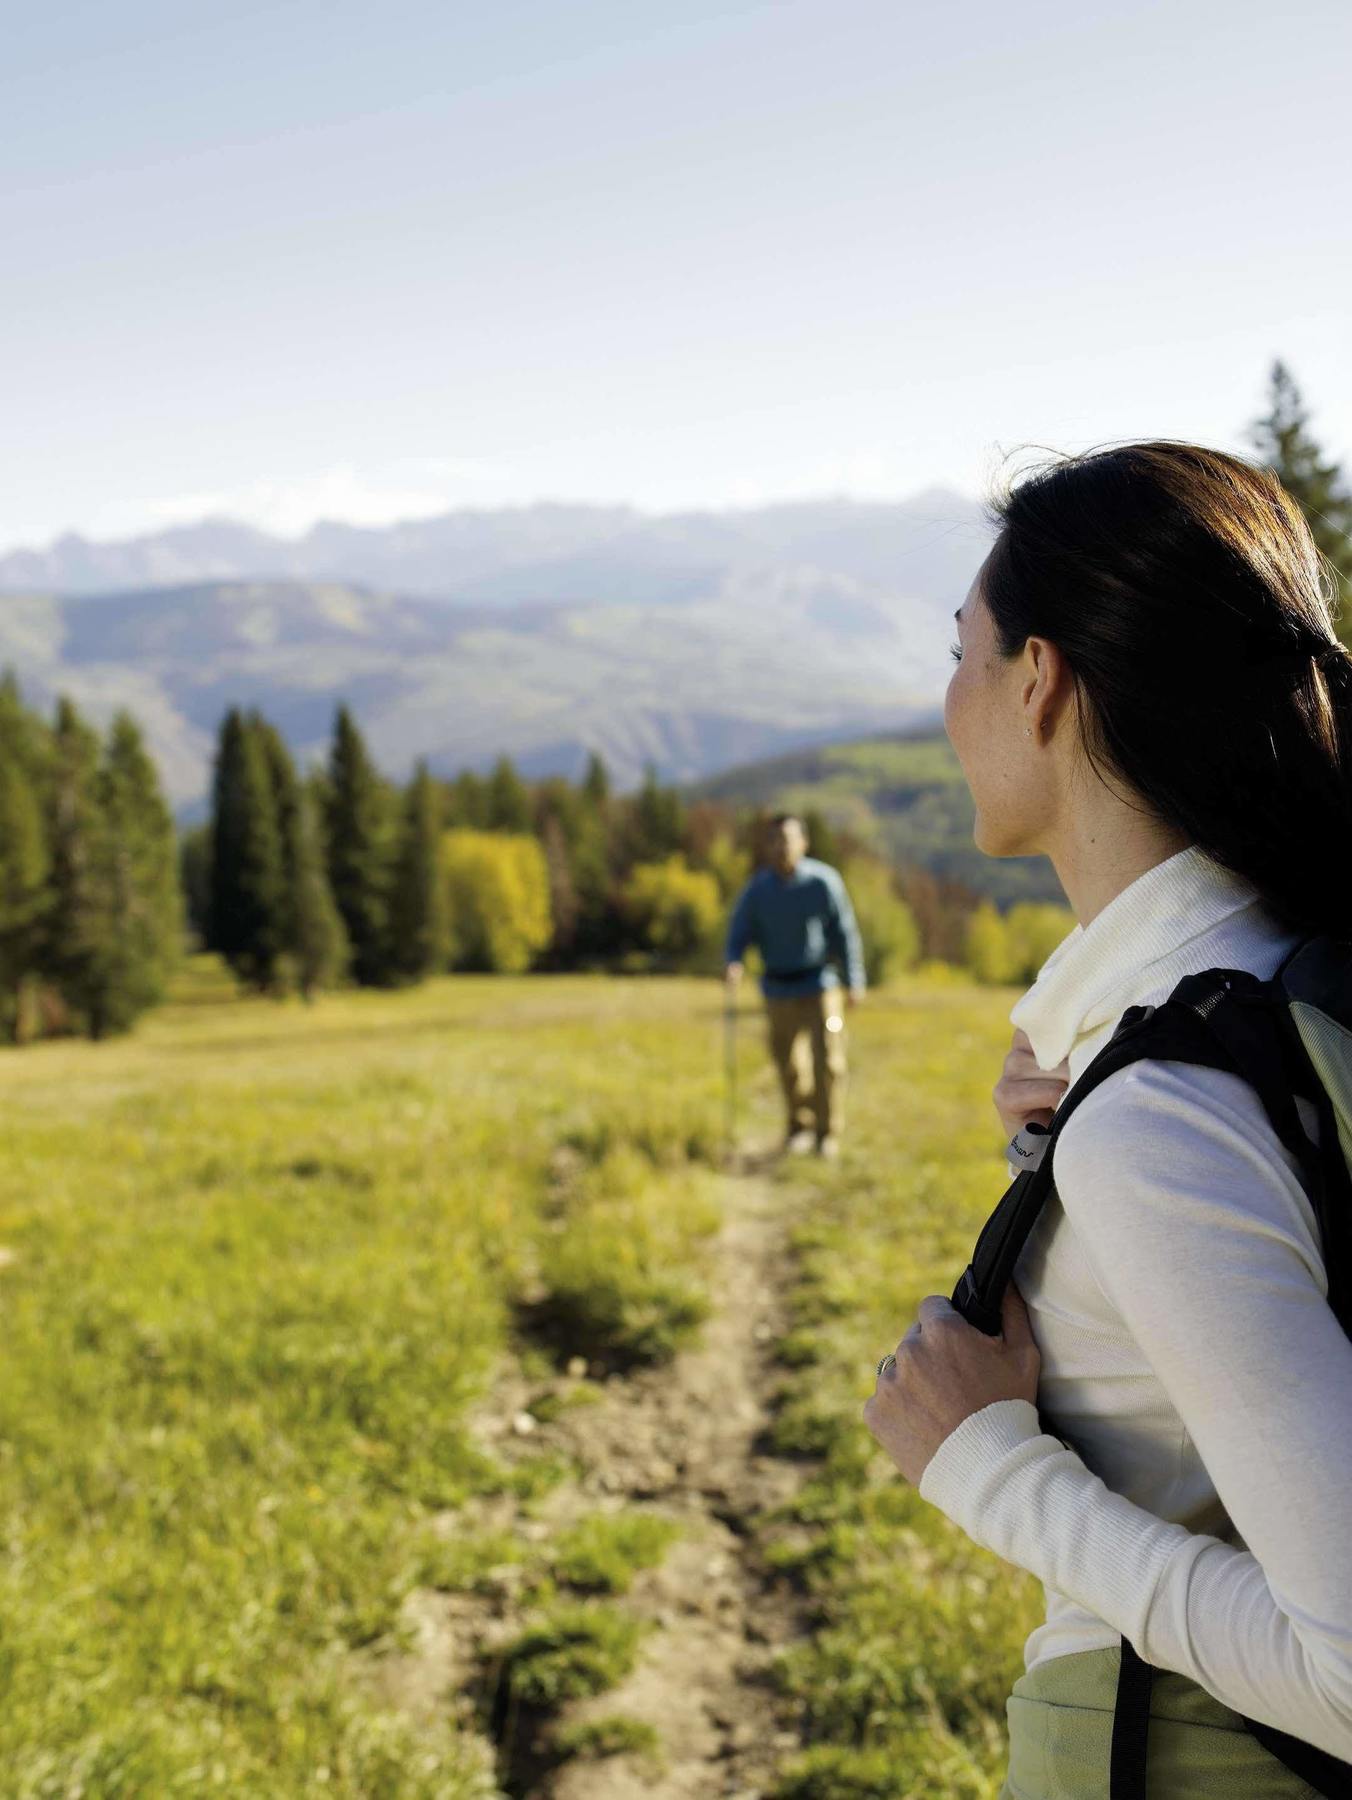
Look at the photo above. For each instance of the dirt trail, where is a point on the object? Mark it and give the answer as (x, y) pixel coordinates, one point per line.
(686, 1442)
(690, 1437)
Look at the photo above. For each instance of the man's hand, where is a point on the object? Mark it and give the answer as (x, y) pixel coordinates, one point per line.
(854, 997)
(1026, 1092)
(945, 1371)
(733, 974)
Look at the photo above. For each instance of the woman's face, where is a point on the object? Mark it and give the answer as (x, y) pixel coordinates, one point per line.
(990, 725)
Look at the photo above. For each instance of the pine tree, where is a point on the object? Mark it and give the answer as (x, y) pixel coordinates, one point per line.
(657, 822)
(249, 903)
(563, 898)
(321, 949)
(594, 842)
(418, 921)
(509, 806)
(26, 735)
(80, 927)
(141, 871)
(315, 944)
(1285, 445)
(357, 833)
(24, 855)
(194, 872)
(467, 802)
(319, 794)
(596, 782)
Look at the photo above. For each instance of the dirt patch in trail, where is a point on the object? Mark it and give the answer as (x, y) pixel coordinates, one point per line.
(687, 1443)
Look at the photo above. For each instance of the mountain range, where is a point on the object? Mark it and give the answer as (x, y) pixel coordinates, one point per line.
(690, 641)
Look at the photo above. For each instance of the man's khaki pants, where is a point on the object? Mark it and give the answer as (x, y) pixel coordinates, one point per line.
(807, 1042)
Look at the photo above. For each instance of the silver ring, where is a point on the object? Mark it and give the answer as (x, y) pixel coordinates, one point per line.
(888, 1361)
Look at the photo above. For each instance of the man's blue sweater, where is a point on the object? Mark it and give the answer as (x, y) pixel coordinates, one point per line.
(801, 925)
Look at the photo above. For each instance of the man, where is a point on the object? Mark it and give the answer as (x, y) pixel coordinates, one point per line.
(797, 913)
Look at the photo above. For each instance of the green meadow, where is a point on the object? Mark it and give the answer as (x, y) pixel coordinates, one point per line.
(261, 1263)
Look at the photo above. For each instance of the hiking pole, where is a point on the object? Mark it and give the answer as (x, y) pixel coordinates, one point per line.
(730, 1074)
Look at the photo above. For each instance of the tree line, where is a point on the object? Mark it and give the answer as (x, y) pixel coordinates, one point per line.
(306, 881)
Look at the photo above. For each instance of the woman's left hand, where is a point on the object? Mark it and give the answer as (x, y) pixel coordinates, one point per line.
(945, 1370)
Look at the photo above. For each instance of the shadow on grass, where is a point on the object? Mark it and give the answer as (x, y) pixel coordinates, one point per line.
(614, 1330)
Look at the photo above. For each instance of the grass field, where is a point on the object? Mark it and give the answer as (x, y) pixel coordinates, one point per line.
(260, 1263)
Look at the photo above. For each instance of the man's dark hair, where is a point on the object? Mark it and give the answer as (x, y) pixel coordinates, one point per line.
(1183, 587)
(780, 820)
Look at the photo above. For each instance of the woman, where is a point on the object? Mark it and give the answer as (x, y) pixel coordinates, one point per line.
(1150, 693)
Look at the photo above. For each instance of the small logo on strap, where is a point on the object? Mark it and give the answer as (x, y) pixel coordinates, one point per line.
(1028, 1145)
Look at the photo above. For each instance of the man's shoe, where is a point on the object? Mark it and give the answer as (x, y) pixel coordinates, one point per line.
(828, 1147)
(800, 1143)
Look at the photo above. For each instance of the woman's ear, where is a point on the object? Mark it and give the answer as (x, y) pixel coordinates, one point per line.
(1045, 685)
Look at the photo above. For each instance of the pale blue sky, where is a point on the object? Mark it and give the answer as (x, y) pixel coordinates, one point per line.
(365, 260)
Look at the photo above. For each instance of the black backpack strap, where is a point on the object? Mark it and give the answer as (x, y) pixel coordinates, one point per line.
(1255, 1029)
(1251, 1026)
(980, 1292)
(1325, 1774)
(1160, 1032)
(1131, 1727)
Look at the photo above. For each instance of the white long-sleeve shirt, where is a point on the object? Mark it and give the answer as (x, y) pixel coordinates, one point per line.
(1200, 1503)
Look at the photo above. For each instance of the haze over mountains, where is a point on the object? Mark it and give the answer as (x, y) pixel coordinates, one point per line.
(690, 640)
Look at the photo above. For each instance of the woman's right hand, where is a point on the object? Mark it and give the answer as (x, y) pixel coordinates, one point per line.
(1026, 1092)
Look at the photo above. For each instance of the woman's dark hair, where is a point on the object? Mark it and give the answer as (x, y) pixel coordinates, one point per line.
(1185, 591)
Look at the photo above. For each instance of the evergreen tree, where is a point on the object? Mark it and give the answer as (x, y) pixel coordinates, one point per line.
(81, 927)
(564, 907)
(1285, 445)
(357, 832)
(596, 782)
(315, 944)
(27, 736)
(418, 914)
(509, 806)
(575, 829)
(140, 861)
(249, 903)
(319, 796)
(656, 822)
(467, 802)
(24, 857)
(321, 949)
(194, 868)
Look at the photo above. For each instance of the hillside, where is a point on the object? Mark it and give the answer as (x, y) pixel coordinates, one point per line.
(904, 793)
(760, 663)
(690, 641)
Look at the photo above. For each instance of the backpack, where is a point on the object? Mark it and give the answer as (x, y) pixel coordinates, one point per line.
(1289, 1036)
